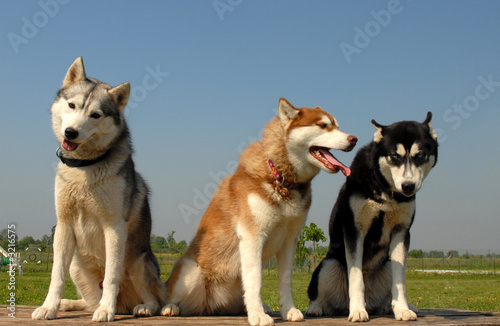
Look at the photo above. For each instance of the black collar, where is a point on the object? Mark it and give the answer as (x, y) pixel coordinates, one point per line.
(393, 195)
(74, 163)
(382, 185)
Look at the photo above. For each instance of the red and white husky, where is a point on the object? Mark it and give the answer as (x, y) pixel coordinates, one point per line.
(256, 214)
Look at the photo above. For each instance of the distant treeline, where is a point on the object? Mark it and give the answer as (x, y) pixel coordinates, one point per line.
(167, 243)
(450, 254)
(310, 233)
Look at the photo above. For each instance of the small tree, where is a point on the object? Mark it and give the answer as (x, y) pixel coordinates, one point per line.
(314, 234)
(171, 240)
(179, 247)
(158, 242)
(4, 239)
(26, 242)
(53, 230)
(301, 250)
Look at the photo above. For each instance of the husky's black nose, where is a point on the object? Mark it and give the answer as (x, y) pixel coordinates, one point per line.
(352, 142)
(70, 133)
(408, 188)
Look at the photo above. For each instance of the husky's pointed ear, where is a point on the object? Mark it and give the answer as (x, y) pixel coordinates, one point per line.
(428, 118)
(377, 137)
(120, 95)
(286, 112)
(428, 122)
(76, 72)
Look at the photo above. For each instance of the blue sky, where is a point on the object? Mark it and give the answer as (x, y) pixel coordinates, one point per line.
(206, 77)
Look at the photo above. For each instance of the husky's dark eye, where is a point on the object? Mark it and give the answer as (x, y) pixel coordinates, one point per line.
(419, 158)
(396, 159)
(322, 125)
(95, 115)
(71, 105)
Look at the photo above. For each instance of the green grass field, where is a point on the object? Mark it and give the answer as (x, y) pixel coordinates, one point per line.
(476, 292)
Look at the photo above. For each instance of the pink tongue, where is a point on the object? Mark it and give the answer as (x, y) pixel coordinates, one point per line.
(69, 146)
(345, 170)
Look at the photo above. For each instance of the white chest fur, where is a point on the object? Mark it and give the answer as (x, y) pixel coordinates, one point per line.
(279, 220)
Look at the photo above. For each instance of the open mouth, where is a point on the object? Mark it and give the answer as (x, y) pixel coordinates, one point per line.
(69, 146)
(323, 155)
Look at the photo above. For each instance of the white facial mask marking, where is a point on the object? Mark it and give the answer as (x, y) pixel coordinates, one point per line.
(407, 172)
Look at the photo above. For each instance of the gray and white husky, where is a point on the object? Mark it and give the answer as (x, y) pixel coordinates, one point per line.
(103, 227)
(370, 222)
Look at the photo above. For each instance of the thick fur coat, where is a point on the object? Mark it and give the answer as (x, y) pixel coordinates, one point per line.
(103, 227)
(253, 217)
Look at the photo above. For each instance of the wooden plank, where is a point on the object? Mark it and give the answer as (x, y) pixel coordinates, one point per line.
(448, 317)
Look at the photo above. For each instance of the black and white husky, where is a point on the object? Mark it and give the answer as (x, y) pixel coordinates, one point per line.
(103, 227)
(364, 269)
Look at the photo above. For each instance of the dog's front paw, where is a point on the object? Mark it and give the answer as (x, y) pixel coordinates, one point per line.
(142, 310)
(314, 310)
(358, 315)
(170, 310)
(260, 319)
(404, 314)
(103, 314)
(42, 313)
(294, 314)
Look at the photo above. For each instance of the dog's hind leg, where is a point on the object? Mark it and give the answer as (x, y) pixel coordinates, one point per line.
(378, 290)
(151, 305)
(87, 283)
(328, 291)
(175, 290)
(72, 305)
(150, 288)
(186, 292)
(315, 308)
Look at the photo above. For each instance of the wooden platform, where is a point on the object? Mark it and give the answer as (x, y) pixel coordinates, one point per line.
(425, 317)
